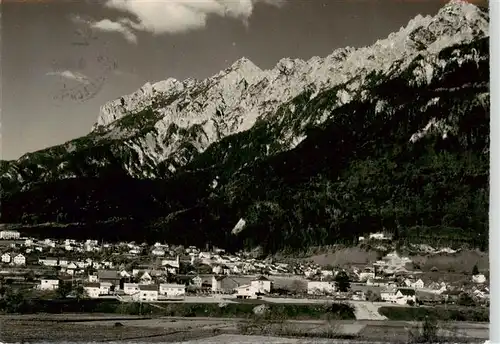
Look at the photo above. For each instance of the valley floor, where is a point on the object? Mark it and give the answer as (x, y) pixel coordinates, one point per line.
(96, 328)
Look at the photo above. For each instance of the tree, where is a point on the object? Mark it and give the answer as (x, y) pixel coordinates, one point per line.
(466, 300)
(64, 289)
(475, 270)
(342, 282)
(79, 292)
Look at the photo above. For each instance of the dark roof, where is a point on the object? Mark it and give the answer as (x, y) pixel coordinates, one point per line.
(148, 287)
(108, 274)
(261, 278)
(407, 291)
(92, 285)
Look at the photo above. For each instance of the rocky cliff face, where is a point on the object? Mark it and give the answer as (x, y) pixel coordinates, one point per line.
(422, 82)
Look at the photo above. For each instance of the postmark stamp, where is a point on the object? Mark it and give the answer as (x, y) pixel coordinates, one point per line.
(82, 76)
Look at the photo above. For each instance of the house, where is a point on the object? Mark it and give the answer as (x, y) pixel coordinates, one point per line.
(419, 284)
(399, 296)
(261, 285)
(221, 270)
(245, 292)
(63, 262)
(175, 263)
(124, 274)
(480, 278)
(359, 295)
(366, 275)
(158, 252)
(110, 276)
(146, 293)
(403, 295)
(326, 273)
(93, 278)
(130, 288)
(9, 235)
(224, 284)
(105, 288)
(170, 289)
(49, 261)
(19, 260)
(197, 281)
(146, 278)
(6, 258)
(379, 236)
(320, 287)
(49, 284)
(93, 289)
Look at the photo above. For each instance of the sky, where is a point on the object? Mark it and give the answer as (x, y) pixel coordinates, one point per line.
(63, 59)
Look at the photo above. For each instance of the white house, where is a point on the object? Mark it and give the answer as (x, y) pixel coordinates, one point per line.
(124, 274)
(170, 289)
(197, 281)
(146, 278)
(245, 291)
(6, 258)
(320, 287)
(105, 288)
(63, 262)
(49, 284)
(130, 288)
(93, 289)
(261, 285)
(172, 262)
(480, 278)
(399, 296)
(158, 251)
(366, 275)
(93, 278)
(380, 236)
(327, 273)
(403, 295)
(48, 261)
(146, 293)
(419, 284)
(9, 235)
(19, 260)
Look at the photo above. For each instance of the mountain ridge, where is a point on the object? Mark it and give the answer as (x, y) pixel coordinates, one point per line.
(206, 146)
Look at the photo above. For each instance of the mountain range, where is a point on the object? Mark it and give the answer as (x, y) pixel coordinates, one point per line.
(392, 136)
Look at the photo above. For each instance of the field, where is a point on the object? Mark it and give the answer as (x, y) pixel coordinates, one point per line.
(461, 262)
(450, 313)
(345, 257)
(175, 329)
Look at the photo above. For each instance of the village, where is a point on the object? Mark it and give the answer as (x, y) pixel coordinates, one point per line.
(133, 272)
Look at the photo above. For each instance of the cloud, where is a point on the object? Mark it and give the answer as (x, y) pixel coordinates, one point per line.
(74, 76)
(111, 26)
(174, 16)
